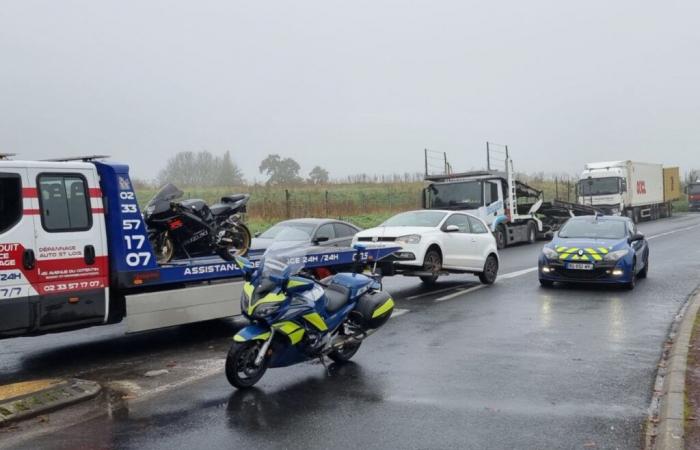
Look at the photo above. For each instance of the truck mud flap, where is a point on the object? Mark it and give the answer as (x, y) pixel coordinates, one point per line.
(153, 310)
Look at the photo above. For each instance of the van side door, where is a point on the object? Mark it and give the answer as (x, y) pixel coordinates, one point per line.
(16, 250)
(71, 249)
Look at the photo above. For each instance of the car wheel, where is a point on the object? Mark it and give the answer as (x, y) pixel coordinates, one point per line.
(490, 272)
(500, 235)
(432, 263)
(546, 283)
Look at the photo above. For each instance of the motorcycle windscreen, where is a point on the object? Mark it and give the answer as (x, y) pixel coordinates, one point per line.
(161, 201)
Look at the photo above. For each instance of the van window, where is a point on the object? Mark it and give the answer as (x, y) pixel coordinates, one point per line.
(65, 203)
(10, 200)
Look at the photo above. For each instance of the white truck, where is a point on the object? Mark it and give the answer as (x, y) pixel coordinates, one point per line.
(634, 189)
(514, 211)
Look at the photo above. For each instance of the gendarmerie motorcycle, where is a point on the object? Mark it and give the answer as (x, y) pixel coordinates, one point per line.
(295, 317)
(190, 228)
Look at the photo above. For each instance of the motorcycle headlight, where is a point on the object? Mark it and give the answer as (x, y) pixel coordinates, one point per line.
(409, 239)
(245, 301)
(265, 311)
(550, 253)
(617, 254)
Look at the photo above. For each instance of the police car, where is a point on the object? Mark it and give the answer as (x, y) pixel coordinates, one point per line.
(595, 249)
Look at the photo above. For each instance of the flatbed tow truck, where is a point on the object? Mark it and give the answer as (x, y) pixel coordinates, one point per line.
(74, 253)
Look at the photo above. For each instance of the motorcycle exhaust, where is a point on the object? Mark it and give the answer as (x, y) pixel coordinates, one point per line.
(339, 341)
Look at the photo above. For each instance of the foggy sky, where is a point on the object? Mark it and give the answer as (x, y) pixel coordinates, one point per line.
(354, 86)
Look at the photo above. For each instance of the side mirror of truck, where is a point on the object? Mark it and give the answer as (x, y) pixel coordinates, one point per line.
(623, 185)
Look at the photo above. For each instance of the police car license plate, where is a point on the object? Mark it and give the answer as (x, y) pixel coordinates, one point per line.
(579, 266)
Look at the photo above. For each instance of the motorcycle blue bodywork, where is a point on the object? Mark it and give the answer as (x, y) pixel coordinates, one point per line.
(295, 317)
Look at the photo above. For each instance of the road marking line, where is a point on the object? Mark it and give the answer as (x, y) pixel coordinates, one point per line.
(507, 276)
(437, 291)
(399, 312)
(460, 292)
(672, 232)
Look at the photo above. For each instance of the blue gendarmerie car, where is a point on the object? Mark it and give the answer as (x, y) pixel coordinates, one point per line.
(595, 249)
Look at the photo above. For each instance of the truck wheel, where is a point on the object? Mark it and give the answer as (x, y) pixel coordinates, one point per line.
(241, 370)
(635, 215)
(488, 276)
(431, 263)
(531, 233)
(500, 235)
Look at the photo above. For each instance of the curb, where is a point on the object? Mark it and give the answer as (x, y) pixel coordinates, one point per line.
(64, 393)
(670, 429)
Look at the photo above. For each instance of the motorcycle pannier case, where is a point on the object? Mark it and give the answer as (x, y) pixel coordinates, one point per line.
(373, 309)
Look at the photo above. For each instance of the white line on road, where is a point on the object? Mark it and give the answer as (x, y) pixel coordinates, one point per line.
(507, 276)
(459, 292)
(437, 291)
(672, 232)
(399, 312)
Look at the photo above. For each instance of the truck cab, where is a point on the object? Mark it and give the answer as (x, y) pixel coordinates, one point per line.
(603, 188)
(694, 196)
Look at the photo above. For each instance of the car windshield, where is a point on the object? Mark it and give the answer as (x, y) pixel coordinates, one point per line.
(594, 229)
(464, 194)
(416, 219)
(694, 189)
(600, 186)
(289, 231)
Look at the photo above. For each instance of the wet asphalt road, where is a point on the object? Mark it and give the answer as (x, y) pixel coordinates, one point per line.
(509, 366)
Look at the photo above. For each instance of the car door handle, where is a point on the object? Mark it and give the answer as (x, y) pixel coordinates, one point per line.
(28, 259)
(89, 255)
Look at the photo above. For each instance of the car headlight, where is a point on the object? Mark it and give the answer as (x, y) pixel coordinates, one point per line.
(265, 311)
(617, 254)
(408, 239)
(550, 253)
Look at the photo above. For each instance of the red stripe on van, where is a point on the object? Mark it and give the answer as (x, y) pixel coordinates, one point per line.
(31, 212)
(29, 192)
(95, 193)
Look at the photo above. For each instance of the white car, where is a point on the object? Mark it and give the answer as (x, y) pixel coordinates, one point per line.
(436, 242)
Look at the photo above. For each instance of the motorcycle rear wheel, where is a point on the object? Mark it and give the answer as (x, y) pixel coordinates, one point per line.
(241, 370)
(241, 244)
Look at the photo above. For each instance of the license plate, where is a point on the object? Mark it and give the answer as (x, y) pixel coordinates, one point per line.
(579, 266)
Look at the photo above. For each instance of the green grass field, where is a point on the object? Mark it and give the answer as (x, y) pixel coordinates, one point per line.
(365, 205)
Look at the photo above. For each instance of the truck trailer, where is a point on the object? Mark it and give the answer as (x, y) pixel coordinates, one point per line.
(634, 189)
(74, 253)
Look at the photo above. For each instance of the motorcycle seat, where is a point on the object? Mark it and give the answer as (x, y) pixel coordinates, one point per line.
(337, 296)
(233, 198)
(219, 209)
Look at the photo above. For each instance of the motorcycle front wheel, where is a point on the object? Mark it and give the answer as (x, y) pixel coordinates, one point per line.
(163, 246)
(240, 237)
(241, 370)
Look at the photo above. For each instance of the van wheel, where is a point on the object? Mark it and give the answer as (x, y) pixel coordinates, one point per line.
(488, 276)
(432, 263)
(500, 235)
